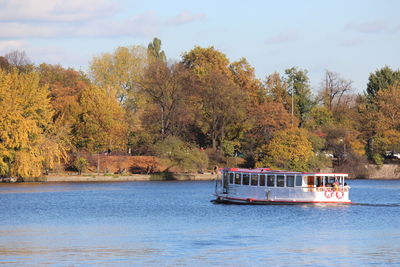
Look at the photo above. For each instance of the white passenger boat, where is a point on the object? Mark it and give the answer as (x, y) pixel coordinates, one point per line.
(265, 186)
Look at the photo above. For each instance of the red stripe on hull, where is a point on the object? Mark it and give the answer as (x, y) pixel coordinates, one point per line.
(261, 201)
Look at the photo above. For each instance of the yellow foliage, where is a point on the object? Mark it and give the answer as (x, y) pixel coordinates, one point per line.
(101, 123)
(25, 118)
(289, 149)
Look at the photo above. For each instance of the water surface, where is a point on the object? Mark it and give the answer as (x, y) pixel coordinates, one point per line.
(175, 223)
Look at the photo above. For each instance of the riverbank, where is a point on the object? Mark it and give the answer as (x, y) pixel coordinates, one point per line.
(128, 178)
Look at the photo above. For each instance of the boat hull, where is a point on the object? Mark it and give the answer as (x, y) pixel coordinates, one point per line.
(255, 201)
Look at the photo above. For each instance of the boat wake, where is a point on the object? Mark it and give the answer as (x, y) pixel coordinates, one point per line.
(377, 204)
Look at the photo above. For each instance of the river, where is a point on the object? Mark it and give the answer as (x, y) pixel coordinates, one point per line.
(175, 223)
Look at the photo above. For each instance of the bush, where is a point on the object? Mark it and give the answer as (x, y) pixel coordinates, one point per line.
(80, 164)
(183, 155)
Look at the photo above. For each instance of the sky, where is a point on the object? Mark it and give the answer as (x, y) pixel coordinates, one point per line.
(353, 38)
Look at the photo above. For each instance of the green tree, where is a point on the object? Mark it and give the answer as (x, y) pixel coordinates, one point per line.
(299, 86)
(154, 51)
(319, 116)
(382, 79)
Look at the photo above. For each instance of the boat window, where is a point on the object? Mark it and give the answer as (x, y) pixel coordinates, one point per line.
(262, 180)
(290, 180)
(271, 180)
(298, 180)
(231, 180)
(319, 181)
(246, 178)
(254, 179)
(237, 178)
(310, 181)
(329, 180)
(280, 180)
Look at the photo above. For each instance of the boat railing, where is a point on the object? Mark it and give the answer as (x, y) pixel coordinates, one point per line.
(344, 188)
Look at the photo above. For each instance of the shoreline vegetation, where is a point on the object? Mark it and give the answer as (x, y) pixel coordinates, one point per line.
(383, 172)
(135, 111)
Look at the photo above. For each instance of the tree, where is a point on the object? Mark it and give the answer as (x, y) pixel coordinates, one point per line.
(119, 73)
(379, 119)
(4, 65)
(221, 102)
(17, 58)
(299, 86)
(154, 51)
(288, 149)
(169, 88)
(277, 90)
(204, 61)
(222, 106)
(268, 117)
(319, 116)
(65, 86)
(334, 87)
(382, 79)
(244, 76)
(101, 123)
(27, 142)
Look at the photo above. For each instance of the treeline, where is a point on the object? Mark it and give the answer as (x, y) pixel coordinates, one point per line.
(200, 109)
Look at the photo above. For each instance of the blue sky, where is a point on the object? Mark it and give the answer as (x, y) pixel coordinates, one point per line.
(352, 38)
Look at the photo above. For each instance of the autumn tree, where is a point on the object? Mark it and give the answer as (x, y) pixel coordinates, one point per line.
(65, 87)
(380, 117)
(4, 65)
(269, 117)
(101, 123)
(221, 101)
(222, 108)
(277, 90)
(289, 149)
(204, 61)
(28, 142)
(244, 76)
(169, 90)
(119, 73)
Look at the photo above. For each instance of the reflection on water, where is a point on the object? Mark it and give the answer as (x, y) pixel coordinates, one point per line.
(174, 223)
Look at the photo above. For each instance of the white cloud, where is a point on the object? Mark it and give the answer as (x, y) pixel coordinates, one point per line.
(55, 10)
(10, 45)
(186, 17)
(371, 27)
(145, 24)
(283, 37)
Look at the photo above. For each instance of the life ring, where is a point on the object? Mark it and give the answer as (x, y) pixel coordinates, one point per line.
(328, 193)
(339, 194)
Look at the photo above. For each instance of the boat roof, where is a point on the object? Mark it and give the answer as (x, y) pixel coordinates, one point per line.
(269, 171)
